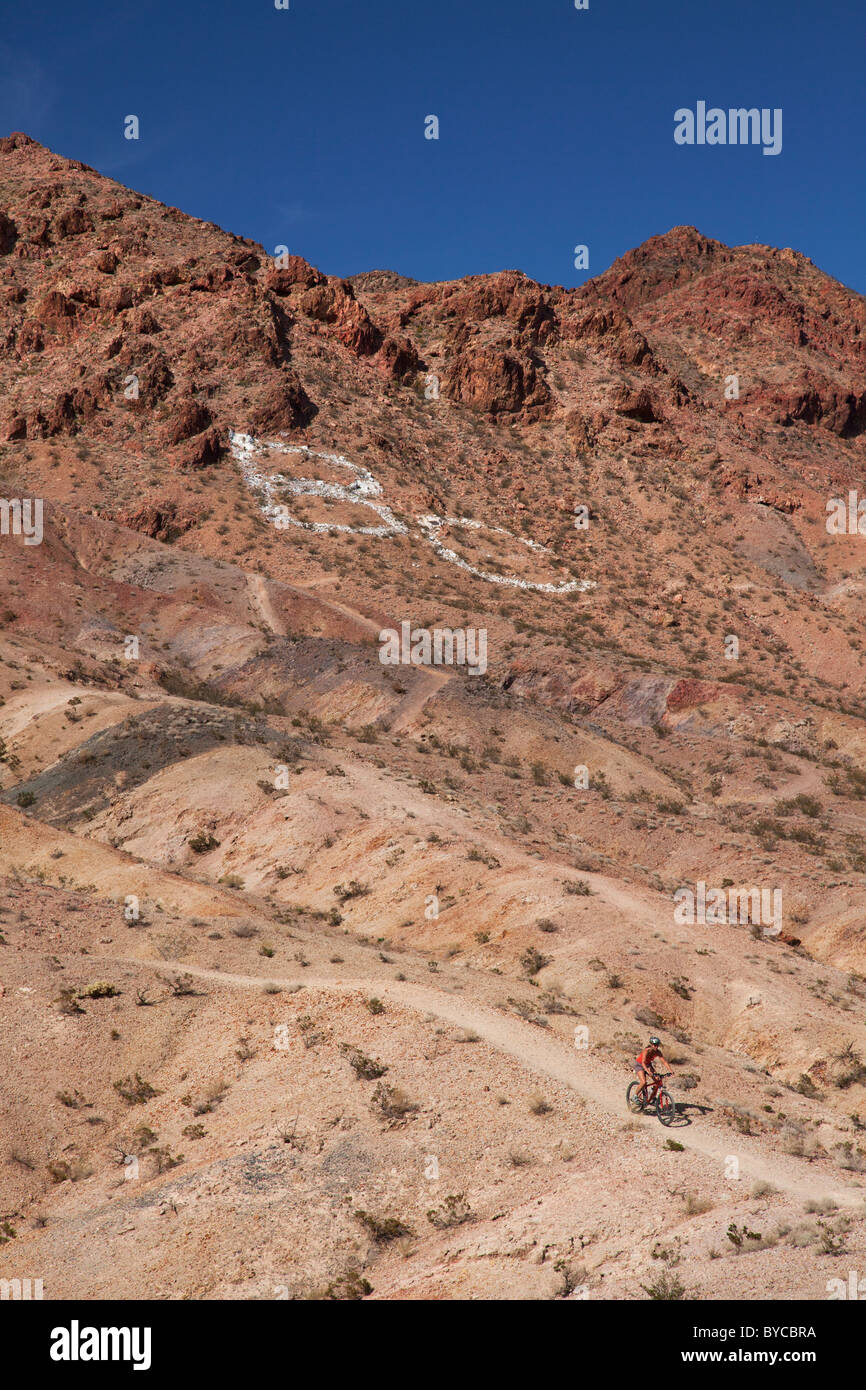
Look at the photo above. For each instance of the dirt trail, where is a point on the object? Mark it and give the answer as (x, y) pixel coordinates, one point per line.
(430, 682)
(261, 600)
(648, 907)
(19, 711)
(810, 782)
(550, 1057)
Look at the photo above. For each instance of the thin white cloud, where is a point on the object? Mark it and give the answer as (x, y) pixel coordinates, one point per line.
(27, 93)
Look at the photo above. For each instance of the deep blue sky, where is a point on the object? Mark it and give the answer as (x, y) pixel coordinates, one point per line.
(306, 127)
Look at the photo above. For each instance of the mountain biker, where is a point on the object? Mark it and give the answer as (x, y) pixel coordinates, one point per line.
(645, 1065)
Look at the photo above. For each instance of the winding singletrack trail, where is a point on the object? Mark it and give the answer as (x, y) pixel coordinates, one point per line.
(548, 1056)
(261, 601)
(430, 683)
(430, 680)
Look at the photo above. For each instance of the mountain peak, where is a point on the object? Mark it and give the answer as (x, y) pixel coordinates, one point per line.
(17, 140)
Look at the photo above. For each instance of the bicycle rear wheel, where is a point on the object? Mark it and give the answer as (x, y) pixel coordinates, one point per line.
(634, 1102)
(666, 1108)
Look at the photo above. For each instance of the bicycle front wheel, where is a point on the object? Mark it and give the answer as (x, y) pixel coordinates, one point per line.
(666, 1108)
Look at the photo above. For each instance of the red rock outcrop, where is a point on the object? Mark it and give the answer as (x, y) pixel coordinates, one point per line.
(495, 382)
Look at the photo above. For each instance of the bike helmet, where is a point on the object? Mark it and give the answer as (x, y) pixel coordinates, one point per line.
(655, 1042)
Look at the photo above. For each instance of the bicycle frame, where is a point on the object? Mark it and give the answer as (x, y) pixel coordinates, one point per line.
(652, 1091)
(651, 1101)
(653, 1088)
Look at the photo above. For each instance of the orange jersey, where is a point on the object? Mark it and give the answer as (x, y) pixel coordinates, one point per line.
(646, 1058)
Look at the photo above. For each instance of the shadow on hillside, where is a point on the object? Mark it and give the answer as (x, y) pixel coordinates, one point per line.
(683, 1107)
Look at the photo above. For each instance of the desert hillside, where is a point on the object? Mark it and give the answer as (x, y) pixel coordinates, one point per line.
(323, 976)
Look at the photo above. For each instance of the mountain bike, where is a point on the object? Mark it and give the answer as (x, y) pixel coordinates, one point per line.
(655, 1100)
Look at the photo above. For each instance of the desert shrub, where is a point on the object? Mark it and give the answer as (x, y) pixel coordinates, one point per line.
(347, 1288)
(806, 805)
(453, 1212)
(853, 1161)
(392, 1103)
(202, 842)
(526, 1010)
(478, 856)
(365, 1068)
(99, 989)
(742, 1238)
(213, 1096)
(383, 1228)
(164, 1160)
(806, 1087)
(648, 1017)
(666, 1287)
(849, 1070)
(68, 1003)
(695, 1205)
(551, 1002)
(353, 889)
(181, 986)
(579, 888)
(686, 1081)
(851, 781)
(833, 1240)
(135, 1090)
(762, 1189)
(533, 960)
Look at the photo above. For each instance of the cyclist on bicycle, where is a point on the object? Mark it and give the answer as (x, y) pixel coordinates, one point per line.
(645, 1065)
